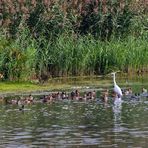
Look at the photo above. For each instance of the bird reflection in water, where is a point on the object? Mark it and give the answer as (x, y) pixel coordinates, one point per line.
(117, 111)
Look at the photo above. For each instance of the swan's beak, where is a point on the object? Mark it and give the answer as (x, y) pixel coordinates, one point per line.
(115, 72)
(112, 73)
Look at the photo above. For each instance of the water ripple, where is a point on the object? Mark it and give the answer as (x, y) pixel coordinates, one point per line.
(74, 124)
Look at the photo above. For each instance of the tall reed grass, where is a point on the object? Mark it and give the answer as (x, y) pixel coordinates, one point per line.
(17, 56)
(25, 58)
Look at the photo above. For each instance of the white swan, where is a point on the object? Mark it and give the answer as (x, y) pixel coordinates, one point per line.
(117, 89)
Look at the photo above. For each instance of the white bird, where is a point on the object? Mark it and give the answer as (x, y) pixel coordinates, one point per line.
(117, 89)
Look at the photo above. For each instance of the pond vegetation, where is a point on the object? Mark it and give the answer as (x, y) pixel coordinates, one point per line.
(43, 39)
(55, 55)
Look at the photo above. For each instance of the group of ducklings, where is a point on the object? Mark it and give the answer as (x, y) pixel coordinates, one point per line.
(74, 95)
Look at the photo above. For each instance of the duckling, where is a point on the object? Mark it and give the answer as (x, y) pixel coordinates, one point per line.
(77, 94)
(2, 99)
(72, 95)
(31, 98)
(20, 104)
(14, 101)
(92, 95)
(144, 90)
(128, 91)
(105, 95)
(105, 98)
(22, 107)
(85, 96)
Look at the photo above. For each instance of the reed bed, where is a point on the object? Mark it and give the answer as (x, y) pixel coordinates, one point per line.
(42, 39)
(70, 55)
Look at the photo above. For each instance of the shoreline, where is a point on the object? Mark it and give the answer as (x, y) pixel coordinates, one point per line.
(69, 83)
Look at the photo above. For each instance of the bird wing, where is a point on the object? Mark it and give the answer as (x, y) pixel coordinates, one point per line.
(117, 90)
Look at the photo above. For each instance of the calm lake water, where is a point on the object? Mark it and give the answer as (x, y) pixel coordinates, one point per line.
(74, 124)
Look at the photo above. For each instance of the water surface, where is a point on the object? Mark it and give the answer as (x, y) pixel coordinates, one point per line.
(77, 124)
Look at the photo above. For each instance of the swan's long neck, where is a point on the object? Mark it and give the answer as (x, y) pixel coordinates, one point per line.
(114, 79)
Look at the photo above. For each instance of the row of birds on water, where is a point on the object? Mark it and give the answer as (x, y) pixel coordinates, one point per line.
(76, 95)
(117, 94)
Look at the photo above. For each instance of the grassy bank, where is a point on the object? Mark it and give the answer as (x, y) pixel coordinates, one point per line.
(24, 87)
(73, 83)
(52, 84)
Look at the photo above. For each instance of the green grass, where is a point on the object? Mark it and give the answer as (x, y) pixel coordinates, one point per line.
(16, 87)
(72, 83)
(55, 84)
(70, 56)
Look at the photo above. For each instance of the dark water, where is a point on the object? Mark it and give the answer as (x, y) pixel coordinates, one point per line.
(74, 124)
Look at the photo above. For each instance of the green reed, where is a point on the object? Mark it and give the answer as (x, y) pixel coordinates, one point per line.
(85, 55)
(27, 58)
(17, 56)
